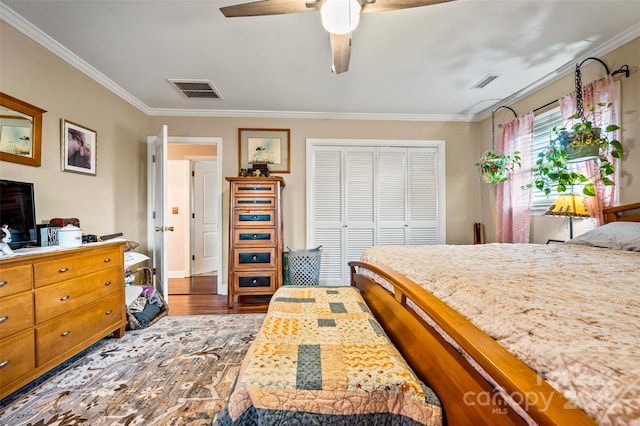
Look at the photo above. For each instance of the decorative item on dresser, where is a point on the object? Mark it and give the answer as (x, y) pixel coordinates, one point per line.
(255, 236)
(54, 304)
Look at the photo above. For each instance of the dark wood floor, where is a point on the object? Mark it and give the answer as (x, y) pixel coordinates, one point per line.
(198, 296)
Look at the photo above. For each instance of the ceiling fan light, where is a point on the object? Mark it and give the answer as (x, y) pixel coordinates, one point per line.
(340, 16)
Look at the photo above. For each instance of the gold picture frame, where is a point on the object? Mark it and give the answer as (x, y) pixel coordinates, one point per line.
(271, 146)
(20, 131)
(79, 147)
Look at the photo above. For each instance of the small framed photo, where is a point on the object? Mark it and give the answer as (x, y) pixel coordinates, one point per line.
(79, 148)
(260, 146)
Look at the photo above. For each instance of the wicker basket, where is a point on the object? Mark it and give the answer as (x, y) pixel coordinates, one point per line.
(304, 266)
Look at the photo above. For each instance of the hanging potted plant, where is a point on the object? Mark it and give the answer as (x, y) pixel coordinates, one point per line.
(552, 169)
(494, 166)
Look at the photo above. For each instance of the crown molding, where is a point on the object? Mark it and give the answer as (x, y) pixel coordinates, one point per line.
(569, 68)
(27, 28)
(306, 115)
(14, 19)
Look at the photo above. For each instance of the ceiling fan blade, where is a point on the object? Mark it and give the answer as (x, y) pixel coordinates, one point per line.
(340, 52)
(268, 7)
(386, 5)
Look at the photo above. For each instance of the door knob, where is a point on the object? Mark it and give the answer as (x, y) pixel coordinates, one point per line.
(166, 228)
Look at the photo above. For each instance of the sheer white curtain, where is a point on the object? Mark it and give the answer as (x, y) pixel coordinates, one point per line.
(593, 93)
(513, 204)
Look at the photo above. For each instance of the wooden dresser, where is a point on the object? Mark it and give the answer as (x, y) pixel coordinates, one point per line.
(255, 236)
(55, 304)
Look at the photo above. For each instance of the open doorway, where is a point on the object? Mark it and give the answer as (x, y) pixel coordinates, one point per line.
(194, 198)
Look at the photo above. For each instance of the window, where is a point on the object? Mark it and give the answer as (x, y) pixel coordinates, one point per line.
(543, 125)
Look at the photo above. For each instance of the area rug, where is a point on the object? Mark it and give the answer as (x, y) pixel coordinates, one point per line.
(179, 371)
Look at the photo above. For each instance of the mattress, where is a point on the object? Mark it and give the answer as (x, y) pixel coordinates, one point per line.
(322, 358)
(570, 312)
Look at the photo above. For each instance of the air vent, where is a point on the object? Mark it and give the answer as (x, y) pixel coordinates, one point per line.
(201, 89)
(482, 83)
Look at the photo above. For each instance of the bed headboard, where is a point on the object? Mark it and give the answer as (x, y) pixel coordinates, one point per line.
(626, 213)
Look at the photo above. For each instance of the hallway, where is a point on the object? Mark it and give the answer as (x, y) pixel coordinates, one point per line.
(198, 296)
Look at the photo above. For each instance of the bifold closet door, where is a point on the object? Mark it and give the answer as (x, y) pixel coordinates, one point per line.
(362, 196)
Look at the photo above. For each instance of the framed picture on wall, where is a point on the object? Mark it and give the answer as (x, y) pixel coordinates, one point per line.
(79, 147)
(270, 146)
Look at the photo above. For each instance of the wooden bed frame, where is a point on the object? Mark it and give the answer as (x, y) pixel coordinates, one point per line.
(467, 397)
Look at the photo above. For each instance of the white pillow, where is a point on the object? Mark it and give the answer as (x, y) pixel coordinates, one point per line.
(614, 235)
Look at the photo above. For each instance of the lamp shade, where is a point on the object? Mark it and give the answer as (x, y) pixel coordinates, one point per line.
(570, 205)
(340, 16)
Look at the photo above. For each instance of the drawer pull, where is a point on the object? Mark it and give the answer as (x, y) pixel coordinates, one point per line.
(254, 281)
(3, 283)
(5, 363)
(66, 333)
(3, 319)
(63, 270)
(107, 283)
(109, 312)
(244, 258)
(254, 218)
(264, 236)
(107, 260)
(64, 298)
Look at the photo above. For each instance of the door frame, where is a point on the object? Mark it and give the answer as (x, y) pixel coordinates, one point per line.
(217, 141)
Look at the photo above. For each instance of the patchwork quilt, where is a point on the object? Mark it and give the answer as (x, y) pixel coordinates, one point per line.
(322, 358)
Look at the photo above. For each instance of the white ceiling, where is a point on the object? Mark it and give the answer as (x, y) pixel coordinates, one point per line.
(412, 64)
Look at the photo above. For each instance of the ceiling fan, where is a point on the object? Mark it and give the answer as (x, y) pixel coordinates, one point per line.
(339, 18)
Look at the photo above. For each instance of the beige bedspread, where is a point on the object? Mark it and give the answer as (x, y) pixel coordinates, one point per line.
(570, 312)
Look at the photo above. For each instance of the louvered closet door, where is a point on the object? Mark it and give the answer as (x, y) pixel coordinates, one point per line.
(423, 202)
(359, 203)
(407, 196)
(392, 196)
(342, 208)
(362, 196)
(327, 212)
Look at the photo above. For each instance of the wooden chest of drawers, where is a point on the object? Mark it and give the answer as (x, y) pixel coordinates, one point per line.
(55, 304)
(255, 236)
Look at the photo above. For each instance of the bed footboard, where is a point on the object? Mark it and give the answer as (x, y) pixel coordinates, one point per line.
(416, 321)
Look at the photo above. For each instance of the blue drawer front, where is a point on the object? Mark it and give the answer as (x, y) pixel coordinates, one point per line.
(254, 281)
(245, 258)
(255, 237)
(255, 188)
(254, 217)
(255, 202)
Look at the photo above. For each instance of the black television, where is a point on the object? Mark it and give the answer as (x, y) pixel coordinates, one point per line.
(18, 211)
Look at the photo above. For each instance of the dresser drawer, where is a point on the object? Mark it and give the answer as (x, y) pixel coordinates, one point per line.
(254, 217)
(254, 258)
(17, 356)
(264, 202)
(15, 279)
(254, 282)
(64, 333)
(57, 299)
(67, 267)
(256, 237)
(16, 313)
(255, 188)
